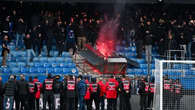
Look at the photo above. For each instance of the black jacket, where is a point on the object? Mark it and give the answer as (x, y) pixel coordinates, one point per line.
(123, 91)
(71, 93)
(23, 87)
(1, 88)
(10, 88)
(141, 87)
(20, 28)
(28, 43)
(57, 86)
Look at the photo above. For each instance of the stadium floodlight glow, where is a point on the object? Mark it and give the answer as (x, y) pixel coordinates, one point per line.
(160, 1)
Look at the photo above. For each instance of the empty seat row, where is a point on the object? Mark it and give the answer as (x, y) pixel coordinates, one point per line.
(52, 59)
(31, 70)
(42, 64)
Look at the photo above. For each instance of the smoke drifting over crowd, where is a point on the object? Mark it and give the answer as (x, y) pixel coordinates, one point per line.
(107, 38)
(108, 34)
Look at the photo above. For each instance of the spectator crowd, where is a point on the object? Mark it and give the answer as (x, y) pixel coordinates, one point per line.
(66, 27)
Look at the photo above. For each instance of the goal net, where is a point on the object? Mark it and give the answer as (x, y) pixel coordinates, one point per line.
(174, 85)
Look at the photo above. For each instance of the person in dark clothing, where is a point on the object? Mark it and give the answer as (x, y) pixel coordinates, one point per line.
(48, 31)
(82, 88)
(38, 87)
(148, 38)
(63, 94)
(71, 93)
(48, 91)
(142, 94)
(178, 94)
(20, 34)
(23, 92)
(125, 93)
(95, 91)
(31, 95)
(139, 40)
(1, 94)
(57, 88)
(60, 40)
(38, 40)
(5, 50)
(28, 41)
(70, 39)
(81, 35)
(171, 44)
(9, 91)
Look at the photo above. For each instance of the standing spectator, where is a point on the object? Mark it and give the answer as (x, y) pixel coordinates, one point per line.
(82, 88)
(148, 42)
(81, 35)
(1, 94)
(139, 40)
(47, 27)
(60, 41)
(38, 38)
(28, 41)
(9, 92)
(188, 34)
(20, 34)
(70, 39)
(5, 50)
(23, 92)
(6, 25)
(171, 44)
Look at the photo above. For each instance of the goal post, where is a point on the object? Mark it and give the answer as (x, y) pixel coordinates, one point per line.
(174, 85)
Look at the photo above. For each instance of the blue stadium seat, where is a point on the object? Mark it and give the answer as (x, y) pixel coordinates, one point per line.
(38, 64)
(24, 70)
(58, 70)
(12, 64)
(20, 59)
(63, 65)
(70, 65)
(55, 53)
(60, 59)
(49, 70)
(47, 65)
(33, 70)
(65, 54)
(21, 64)
(35, 59)
(41, 70)
(1, 57)
(5, 70)
(68, 60)
(15, 70)
(43, 59)
(52, 59)
(55, 65)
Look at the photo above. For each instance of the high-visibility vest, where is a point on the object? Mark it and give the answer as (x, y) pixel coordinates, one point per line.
(49, 84)
(71, 85)
(94, 88)
(177, 88)
(126, 85)
(31, 87)
(167, 84)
